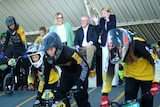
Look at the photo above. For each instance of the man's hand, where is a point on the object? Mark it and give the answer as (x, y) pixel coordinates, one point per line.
(154, 89)
(89, 44)
(77, 48)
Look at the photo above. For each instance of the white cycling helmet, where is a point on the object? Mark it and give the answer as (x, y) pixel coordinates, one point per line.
(119, 41)
(35, 50)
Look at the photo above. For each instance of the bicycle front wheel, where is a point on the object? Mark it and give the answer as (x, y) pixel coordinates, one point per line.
(8, 84)
(115, 104)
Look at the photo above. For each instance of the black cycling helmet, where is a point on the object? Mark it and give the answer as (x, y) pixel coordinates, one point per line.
(10, 20)
(51, 39)
(119, 41)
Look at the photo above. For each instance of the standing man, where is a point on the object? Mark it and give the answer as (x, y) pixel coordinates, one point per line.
(87, 38)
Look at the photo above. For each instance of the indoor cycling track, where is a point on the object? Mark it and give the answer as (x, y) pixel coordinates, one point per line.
(26, 98)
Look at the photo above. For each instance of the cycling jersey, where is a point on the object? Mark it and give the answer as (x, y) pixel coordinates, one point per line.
(50, 76)
(74, 68)
(17, 37)
(142, 69)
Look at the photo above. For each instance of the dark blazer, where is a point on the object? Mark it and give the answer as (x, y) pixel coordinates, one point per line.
(110, 25)
(92, 35)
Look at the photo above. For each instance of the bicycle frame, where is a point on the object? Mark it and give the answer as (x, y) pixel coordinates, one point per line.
(47, 98)
(9, 88)
(130, 103)
(68, 96)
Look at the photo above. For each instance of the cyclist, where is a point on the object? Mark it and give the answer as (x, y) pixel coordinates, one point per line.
(16, 33)
(9, 50)
(141, 67)
(75, 69)
(47, 79)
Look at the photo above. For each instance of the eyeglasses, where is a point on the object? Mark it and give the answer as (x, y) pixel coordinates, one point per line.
(59, 17)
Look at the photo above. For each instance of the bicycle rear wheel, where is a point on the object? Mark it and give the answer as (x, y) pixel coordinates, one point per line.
(8, 84)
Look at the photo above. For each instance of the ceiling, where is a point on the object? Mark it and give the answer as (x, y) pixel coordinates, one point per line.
(141, 16)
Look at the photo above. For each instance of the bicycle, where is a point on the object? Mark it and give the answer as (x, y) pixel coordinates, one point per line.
(10, 79)
(69, 95)
(48, 99)
(3, 71)
(129, 103)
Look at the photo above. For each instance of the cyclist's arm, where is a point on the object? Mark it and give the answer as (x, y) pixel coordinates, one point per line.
(45, 70)
(6, 41)
(20, 31)
(149, 54)
(32, 74)
(79, 60)
(142, 50)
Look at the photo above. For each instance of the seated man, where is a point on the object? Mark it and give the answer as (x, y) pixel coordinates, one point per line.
(86, 37)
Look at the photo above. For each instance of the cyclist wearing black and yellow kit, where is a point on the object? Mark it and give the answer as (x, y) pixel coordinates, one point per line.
(48, 77)
(141, 67)
(16, 34)
(75, 69)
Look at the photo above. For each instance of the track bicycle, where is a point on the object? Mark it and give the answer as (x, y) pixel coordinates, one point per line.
(11, 79)
(48, 99)
(129, 103)
(69, 95)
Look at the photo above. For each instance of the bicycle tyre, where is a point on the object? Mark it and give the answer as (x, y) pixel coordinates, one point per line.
(8, 84)
(115, 104)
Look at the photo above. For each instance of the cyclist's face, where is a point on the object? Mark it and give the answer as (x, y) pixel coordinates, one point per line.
(12, 26)
(35, 58)
(51, 51)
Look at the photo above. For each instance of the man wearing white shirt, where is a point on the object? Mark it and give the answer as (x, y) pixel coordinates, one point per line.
(87, 38)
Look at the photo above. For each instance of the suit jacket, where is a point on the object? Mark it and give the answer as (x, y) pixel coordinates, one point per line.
(92, 35)
(110, 25)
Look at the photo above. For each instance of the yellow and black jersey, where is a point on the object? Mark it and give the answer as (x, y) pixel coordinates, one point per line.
(142, 69)
(17, 37)
(72, 62)
(53, 76)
